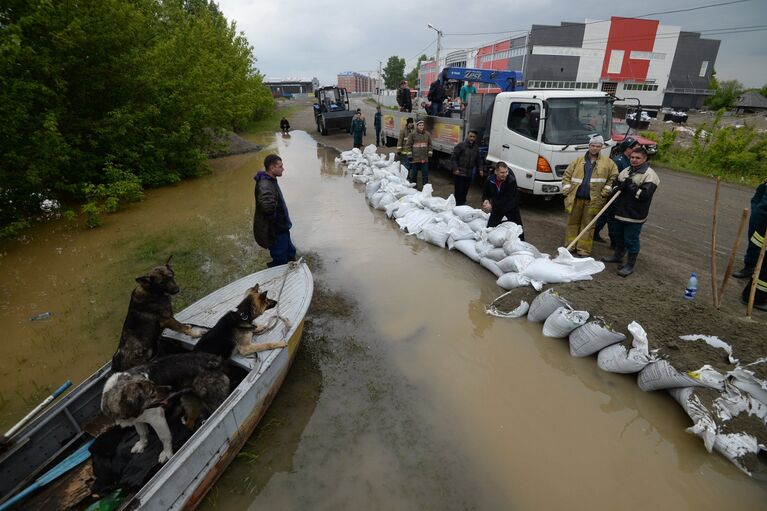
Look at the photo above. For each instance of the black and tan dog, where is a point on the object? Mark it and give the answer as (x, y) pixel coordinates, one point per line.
(137, 397)
(150, 311)
(235, 330)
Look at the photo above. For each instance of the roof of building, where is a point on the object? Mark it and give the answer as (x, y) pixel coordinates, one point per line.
(752, 99)
(268, 80)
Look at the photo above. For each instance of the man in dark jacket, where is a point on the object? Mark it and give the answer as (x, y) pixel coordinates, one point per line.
(437, 95)
(465, 160)
(621, 159)
(271, 221)
(357, 129)
(404, 100)
(377, 124)
(499, 198)
(758, 216)
(637, 184)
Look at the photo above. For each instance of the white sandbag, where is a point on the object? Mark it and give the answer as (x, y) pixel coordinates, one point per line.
(491, 265)
(467, 248)
(704, 425)
(385, 200)
(483, 247)
(544, 304)
(467, 213)
(592, 337)
(372, 187)
(459, 230)
(496, 254)
(618, 359)
(375, 199)
(404, 209)
(662, 375)
(563, 321)
(360, 178)
(518, 312)
(477, 224)
(446, 216)
(516, 262)
(714, 342)
(745, 379)
(516, 245)
(415, 220)
(561, 269)
(434, 233)
(512, 280)
(504, 232)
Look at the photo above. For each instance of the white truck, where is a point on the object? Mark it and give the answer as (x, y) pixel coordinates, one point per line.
(536, 132)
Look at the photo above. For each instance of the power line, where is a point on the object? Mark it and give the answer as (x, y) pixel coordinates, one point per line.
(696, 8)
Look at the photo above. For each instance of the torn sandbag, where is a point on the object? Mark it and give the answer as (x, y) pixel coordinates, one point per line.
(592, 337)
(544, 304)
(661, 374)
(518, 312)
(748, 378)
(562, 321)
(618, 359)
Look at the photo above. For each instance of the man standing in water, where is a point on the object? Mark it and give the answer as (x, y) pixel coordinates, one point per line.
(271, 221)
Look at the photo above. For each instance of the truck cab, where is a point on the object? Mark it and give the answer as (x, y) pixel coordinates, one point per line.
(538, 133)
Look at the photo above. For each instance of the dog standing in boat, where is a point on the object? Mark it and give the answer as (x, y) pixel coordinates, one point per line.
(235, 330)
(150, 311)
(136, 397)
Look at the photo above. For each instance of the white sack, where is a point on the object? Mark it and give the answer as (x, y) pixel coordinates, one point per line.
(516, 245)
(467, 248)
(746, 380)
(459, 230)
(563, 321)
(496, 254)
(714, 342)
(516, 262)
(360, 178)
(512, 280)
(520, 311)
(491, 265)
(385, 200)
(435, 233)
(703, 423)
(592, 337)
(501, 233)
(467, 213)
(477, 224)
(662, 375)
(415, 220)
(618, 359)
(544, 304)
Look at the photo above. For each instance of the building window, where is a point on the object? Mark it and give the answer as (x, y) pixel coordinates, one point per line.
(703, 69)
(616, 62)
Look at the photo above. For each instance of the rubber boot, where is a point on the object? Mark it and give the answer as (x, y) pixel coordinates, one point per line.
(628, 268)
(744, 273)
(617, 257)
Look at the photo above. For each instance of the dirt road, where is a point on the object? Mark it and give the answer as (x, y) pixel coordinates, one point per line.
(675, 241)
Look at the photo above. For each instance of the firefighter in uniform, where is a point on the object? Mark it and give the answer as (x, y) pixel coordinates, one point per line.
(757, 227)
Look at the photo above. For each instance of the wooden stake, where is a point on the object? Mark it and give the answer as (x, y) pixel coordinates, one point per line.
(714, 275)
(731, 260)
(755, 278)
(593, 220)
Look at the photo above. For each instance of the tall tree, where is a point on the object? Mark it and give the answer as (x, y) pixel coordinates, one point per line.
(394, 72)
(412, 76)
(726, 93)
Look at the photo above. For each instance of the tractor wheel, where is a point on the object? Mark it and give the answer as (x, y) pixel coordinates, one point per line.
(323, 128)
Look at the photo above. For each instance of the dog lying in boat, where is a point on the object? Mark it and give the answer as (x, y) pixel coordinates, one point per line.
(136, 397)
(150, 311)
(234, 331)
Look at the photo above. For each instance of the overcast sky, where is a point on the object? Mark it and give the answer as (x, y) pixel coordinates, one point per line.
(299, 38)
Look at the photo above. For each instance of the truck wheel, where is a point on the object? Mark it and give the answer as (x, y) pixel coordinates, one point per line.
(323, 128)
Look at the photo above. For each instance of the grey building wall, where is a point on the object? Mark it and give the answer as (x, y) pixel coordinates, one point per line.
(691, 52)
(554, 67)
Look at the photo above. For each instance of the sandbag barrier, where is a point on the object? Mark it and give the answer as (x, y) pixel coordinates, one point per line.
(716, 403)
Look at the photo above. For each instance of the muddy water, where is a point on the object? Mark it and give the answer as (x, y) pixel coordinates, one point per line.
(405, 395)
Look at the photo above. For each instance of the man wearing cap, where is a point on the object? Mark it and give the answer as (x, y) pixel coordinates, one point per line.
(357, 129)
(404, 100)
(419, 151)
(621, 158)
(586, 184)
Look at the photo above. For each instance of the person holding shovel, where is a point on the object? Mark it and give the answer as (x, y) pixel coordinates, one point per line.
(585, 185)
(756, 228)
(637, 184)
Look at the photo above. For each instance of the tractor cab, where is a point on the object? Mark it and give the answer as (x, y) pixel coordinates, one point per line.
(332, 111)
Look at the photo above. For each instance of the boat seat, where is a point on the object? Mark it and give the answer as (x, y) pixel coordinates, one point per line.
(188, 343)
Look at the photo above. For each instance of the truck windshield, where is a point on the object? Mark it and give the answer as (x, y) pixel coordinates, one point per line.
(575, 120)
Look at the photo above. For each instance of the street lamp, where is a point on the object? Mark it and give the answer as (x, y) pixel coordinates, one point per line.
(439, 43)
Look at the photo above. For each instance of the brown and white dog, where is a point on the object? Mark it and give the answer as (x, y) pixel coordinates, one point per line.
(150, 311)
(136, 397)
(235, 330)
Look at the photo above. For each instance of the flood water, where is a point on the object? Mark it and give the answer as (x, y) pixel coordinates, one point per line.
(404, 395)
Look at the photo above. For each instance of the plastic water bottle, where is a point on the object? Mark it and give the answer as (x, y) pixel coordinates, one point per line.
(692, 287)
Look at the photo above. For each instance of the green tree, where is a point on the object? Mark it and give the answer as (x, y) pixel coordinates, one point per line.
(412, 76)
(394, 72)
(726, 93)
(763, 90)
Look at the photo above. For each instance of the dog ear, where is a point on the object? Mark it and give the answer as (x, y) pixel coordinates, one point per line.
(254, 289)
(167, 263)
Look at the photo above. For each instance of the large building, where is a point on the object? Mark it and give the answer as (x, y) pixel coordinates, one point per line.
(660, 65)
(356, 82)
(288, 86)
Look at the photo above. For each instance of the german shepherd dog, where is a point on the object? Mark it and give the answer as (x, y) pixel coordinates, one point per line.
(149, 312)
(136, 397)
(235, 330)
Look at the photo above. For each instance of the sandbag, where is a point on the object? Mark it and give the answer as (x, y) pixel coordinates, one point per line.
(618, 359)
(714, 342)
(483, 247)
(387, 199)
(434, 233)
(491, 265)
(562, 321)
(415, 220)
(404, 209)
(496, 254)
(662, 375)
(516, 245)
(745, 379)
(467, 213)
(562, 269)
(518, 312)
(477, 224)
(512, 280)
(544, 304)
(516, 262)
(360, 178)
(703, 423)
(499, 234)
(467, 248)
(592, 337)
(372, 187)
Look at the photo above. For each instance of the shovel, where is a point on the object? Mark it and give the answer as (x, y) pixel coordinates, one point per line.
(593, 220)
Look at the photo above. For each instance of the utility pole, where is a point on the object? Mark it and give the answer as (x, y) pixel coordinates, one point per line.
(379, 81)
(439, 44)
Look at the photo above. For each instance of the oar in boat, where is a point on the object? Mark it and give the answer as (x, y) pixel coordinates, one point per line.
(31, 415)
(62, 468)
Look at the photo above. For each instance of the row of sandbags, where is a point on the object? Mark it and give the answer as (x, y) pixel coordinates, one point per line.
(440, 222)
(715, 402)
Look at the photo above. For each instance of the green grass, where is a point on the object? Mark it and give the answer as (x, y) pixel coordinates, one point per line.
(272, 121)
